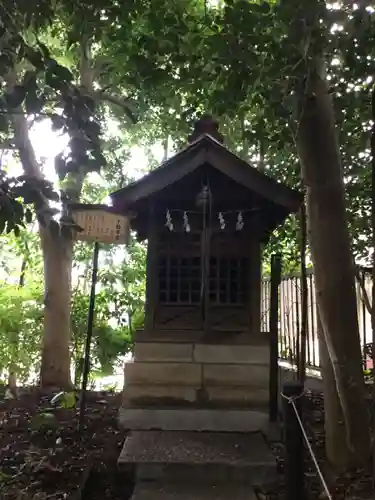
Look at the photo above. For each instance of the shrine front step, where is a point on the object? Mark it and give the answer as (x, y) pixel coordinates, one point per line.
(193, 419)
(205, 458)
(192, 491)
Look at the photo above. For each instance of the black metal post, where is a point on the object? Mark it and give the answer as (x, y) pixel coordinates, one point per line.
(293, 441)
(274, 340)
(301, 366)
(90, 324)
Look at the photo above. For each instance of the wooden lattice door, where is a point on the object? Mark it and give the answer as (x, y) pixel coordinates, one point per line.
(179, 282)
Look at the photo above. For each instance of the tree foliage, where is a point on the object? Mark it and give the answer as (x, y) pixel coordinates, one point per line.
(21, 324)
(237, 61)
(118, 311)
(82, 65)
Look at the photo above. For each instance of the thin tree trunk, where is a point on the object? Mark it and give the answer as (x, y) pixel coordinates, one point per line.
(165, 148)
(21, 281)
(373, 266)
(331, 254)
(58, 256)
(262, 154)
(245, 142)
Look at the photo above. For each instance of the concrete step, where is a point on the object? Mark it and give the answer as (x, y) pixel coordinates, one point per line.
(193, 419)
(205, 457)
(189, 491)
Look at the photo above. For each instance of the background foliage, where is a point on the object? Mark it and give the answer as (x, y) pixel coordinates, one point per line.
(156, 66)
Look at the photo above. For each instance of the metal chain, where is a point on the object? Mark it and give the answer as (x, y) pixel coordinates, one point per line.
(309, 447)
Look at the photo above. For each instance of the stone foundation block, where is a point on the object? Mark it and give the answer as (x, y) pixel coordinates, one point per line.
(193, 419)
(163, 351)
(236, 354)
(235, 375)
(143, 394)
(252, 396)
(163, 373)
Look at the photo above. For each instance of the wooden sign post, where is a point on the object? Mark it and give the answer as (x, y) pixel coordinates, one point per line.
(100, 225)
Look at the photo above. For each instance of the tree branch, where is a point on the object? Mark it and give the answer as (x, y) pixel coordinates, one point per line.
(86, 71)
(21, 135)
(123, 103)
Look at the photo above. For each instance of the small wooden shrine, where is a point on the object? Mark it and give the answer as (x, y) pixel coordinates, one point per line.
(206, 215)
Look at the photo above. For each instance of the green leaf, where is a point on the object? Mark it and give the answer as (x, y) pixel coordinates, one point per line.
(44, 420)
(60, 167)
(265, 7)
(44, 49)
(33, 103)
(72, 40)
(71, 166)
(50, 193)
(99, 157)
(58, 122)
(52, 80)
(65, 399)
(92, 129)
(28, 216)
(35, 57)
(63, 73)
(16, 97)
(4, 123)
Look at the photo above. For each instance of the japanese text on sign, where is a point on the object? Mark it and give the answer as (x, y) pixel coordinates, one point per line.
(101, 226)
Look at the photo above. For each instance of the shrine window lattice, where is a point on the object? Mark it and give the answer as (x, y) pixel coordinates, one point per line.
(180, 280)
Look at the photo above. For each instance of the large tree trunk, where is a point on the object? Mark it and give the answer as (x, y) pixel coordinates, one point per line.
(58, 259)
(57, 249)
(58, 255)
(331, 254)
(337, 450)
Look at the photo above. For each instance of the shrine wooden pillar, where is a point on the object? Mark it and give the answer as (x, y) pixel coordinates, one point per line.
(254, 284)
(151, 269)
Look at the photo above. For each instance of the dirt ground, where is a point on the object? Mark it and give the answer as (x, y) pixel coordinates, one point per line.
(42, 455)
(354, 485)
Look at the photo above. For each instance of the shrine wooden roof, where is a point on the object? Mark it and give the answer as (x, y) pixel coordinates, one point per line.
(202, 151)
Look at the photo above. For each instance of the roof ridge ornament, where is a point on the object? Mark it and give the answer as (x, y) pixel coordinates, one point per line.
(206, 125)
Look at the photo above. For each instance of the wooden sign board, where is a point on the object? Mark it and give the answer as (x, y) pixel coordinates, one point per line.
(102, 226)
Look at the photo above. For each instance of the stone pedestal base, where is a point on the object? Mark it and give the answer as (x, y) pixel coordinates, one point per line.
(192, 373)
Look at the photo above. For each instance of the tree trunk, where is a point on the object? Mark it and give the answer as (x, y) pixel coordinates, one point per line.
(58, 260)
(331, 254)
(58, 256)
(165, 148)
(337, 450)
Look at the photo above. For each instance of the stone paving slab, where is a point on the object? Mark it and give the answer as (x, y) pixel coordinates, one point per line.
(189, 491)
(196, 447)
(198, 456)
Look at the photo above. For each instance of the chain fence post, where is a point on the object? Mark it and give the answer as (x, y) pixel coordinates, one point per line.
(274, 391)
(293, 441)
